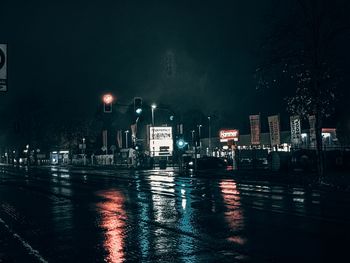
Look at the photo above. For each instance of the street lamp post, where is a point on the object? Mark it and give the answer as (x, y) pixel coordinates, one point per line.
(192, 132)
(194, 145)
(83, 151)
(153, 107)
(199, 134)
(209, 136)
(126, 139)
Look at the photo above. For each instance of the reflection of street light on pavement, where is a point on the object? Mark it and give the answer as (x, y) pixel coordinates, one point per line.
(126, 139)
(153, 107)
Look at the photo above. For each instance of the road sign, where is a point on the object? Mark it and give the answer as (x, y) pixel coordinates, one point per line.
(3, 67)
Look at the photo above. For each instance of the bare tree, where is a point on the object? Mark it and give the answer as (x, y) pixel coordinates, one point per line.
(303, 48)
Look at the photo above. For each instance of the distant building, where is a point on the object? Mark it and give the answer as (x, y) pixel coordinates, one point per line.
(244, 142)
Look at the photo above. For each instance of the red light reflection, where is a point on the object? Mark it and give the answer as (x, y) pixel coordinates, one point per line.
(234, 214)
(113, 218)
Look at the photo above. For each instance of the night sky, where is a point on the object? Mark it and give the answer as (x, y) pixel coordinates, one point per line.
(188, 54)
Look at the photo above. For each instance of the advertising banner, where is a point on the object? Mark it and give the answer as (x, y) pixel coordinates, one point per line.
(312, 123)
(274, 127)
(119, 139)
(229, 135)
(3, 67)
(133, 128)
(295, 130)
(161, 141)
(254, 129)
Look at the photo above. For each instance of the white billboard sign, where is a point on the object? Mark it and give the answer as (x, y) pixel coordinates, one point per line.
(161, 141)
(3, 67)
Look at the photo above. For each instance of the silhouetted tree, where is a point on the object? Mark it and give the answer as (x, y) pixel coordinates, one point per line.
(301, 49)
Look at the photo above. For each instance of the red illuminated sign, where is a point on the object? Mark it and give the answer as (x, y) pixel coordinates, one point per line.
(229, 135)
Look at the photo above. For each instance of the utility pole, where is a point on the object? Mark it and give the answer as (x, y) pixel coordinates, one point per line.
(209, 139)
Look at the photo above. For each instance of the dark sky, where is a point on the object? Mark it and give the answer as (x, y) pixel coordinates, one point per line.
(189, 54)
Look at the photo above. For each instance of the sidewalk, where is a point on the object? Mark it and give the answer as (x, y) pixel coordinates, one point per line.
(332, 180)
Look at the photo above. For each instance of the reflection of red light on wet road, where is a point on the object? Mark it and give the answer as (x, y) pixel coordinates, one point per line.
(234, 214)
(113, 217)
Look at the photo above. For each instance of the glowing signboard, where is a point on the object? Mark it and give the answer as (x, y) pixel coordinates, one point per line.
(229, 135)
(161, 141)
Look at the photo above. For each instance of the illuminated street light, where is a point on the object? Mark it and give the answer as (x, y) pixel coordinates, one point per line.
(153, 107)
(199, 134)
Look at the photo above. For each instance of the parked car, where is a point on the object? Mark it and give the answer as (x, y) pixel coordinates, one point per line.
(205, 163)
(303, 160)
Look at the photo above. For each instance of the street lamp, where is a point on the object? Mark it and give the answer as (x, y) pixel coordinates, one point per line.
(153, 107)
(209, 136)
(199, 134)
(126, 139)
(83, 147)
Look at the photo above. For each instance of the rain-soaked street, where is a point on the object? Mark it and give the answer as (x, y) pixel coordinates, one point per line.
(93, 215)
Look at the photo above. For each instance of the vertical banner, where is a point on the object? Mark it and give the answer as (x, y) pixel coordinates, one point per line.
(133, 129)
(3, 67)
(104, 140)
(180, 128)
(295, 130)
(312, 123)
(119, 139)
(274, 127)
(254, 129)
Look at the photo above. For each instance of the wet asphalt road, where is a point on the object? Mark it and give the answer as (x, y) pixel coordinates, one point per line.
(92, 215)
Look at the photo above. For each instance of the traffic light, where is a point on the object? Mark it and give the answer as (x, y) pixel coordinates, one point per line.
(138, 105)
(107, 107)
(107, 103)
(181, 144)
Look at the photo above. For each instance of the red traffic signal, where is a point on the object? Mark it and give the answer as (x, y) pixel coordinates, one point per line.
(107, 103)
